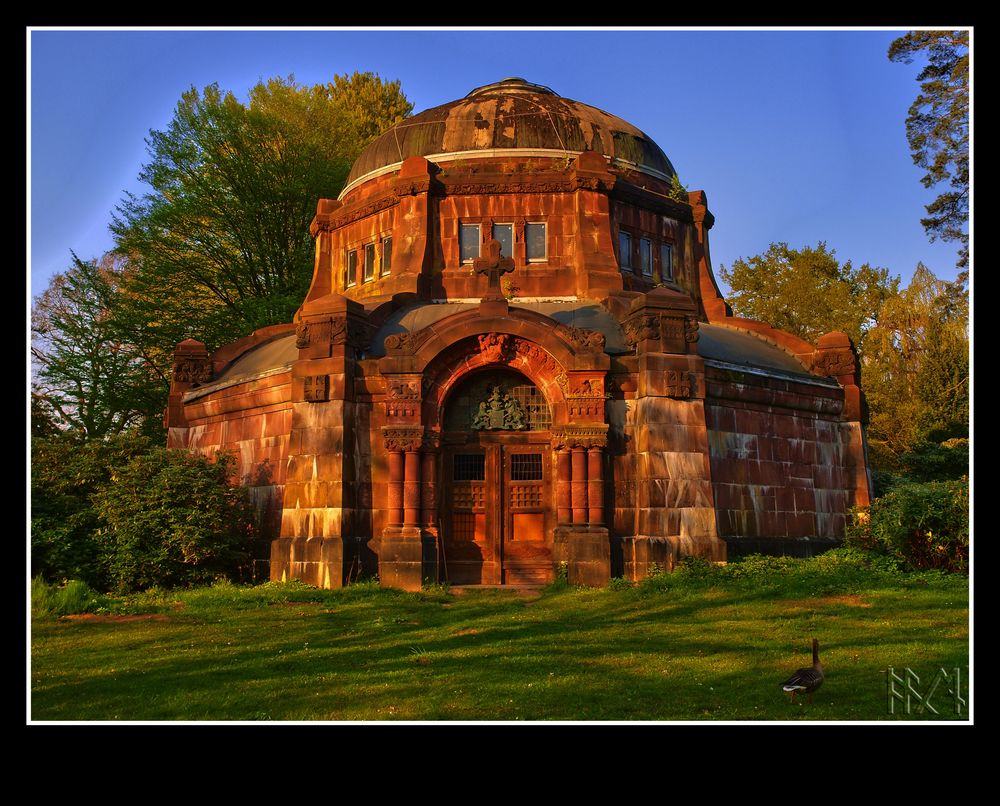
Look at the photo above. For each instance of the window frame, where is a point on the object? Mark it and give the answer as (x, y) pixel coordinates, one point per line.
(493, 226)
(368, 270)
(479, 241)
(385, 267)
(351, 271)
(646, 265)
(622, 265)
(667, 274)
(545, 242)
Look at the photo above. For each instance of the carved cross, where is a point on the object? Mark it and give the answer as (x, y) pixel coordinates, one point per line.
(493, 265)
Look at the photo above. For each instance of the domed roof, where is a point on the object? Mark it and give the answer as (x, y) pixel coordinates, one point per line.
(512, 114)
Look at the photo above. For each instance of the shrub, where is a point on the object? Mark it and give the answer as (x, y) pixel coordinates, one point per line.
(172, 518)
(925, 525)
(73, 596)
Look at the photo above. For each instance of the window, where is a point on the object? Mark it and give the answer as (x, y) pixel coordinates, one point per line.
(646, 257)
(534, 237)
(469, 467)
(369, 262)
(386, 256)
(625, 251)
(666, 261)
(469, 242)
(505, 234)
(351, 272)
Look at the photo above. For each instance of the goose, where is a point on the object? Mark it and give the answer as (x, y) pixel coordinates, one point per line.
(807, 679)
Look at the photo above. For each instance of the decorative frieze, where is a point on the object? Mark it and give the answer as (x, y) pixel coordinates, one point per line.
(580, 436)
(404, 438)
(407, 342)
(193, 370)
(587, 341)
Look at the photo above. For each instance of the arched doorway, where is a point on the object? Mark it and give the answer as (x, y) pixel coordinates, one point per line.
(496, 513)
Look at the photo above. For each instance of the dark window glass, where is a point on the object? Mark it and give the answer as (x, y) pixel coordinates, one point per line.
(666, 261)
(625, 251)
(646, 256)
(469, 242)
(386, 256)
(534, 236)
(469, 467)
(504, 234)
(351, 277)
(526, 467)
(369, 262)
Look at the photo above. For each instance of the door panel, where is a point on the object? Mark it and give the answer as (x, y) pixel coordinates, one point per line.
(527, 543)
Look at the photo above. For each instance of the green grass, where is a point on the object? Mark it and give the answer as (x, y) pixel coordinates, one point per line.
(699, 644)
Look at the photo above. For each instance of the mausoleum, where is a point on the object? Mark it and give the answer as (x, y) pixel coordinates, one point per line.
(514, 355)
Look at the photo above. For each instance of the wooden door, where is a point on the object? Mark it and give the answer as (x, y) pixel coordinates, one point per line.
(526, 548)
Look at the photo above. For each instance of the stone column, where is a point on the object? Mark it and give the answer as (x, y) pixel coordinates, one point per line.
(396, 477)
(428, 486)
(579, 485)
(564, 500)
(411, 489)
(595, 482)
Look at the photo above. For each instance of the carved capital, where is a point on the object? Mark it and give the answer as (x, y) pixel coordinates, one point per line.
(403, 439)
(432, 441)
(406, 389)
(834, 363)
(588, 388)
(577, 436)
(193, 370)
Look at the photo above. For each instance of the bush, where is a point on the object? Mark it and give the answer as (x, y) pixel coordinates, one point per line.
(72, 596)
(66, 472)
(924, 525)
(172, 518)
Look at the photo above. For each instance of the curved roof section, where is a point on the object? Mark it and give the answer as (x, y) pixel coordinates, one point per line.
(512, 114)
(742, 348)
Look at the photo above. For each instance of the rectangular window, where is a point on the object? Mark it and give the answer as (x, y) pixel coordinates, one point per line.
(625, 251)
(666, 261)
(351, 274)
(469, 242)
(646, 257)
(469, 467)
(534, 237)
(526, 467)
(505, 234)
(369, 262)
(386, 256)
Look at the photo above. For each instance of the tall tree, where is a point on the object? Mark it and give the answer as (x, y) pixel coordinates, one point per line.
(937, 128)
(220, 243)
(88, 377)
(915, 368)
(808, 292)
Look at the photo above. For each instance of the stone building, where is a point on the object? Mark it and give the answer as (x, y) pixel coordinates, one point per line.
(514, 355)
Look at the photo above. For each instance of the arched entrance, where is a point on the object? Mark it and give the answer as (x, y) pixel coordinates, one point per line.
(496, 509)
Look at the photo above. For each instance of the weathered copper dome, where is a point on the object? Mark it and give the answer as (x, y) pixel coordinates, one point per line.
(512, 114)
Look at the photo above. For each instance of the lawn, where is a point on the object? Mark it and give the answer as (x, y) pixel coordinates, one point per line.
(702, 644)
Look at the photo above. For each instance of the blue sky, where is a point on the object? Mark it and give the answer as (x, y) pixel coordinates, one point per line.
(795, 136)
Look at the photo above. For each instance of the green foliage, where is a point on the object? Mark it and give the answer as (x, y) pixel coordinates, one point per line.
(620, 584)
(808, 292)
(677, 192)
(90, 376)
(72, 596)
(220, 243)
(937, 128)
(924, 525)
(66, 472)
(915, 369)
(173, 518)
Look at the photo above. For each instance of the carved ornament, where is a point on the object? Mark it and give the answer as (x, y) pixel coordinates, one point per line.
(499, 412)
(403, 439)
(407, 342)
(404, 390)
(680, 384)
(316, 388)
(588, 341)
(497, 348)
(690, 330)
(193, 370)
(833, 363)
(641, 328)
(594, 436)
(365, 210)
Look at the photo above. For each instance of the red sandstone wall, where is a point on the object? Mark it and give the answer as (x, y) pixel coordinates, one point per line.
(251, 420)
(782, 459)
(660, 228)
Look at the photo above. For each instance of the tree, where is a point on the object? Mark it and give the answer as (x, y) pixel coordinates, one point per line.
(915, 369)
(937, 128)
(807, 292)
(220, 243)
(89, 377)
